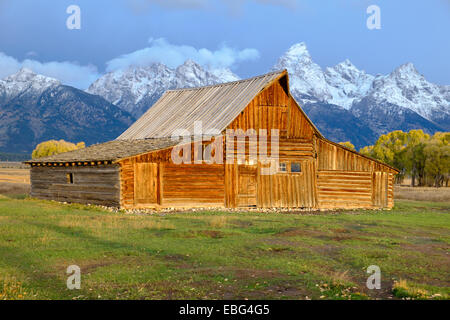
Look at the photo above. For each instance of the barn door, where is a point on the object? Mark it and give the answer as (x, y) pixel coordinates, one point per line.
(246, 193)
(380, 189)
(145, 183)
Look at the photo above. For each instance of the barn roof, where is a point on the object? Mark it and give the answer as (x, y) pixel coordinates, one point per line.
(109, 151)
(215, 106)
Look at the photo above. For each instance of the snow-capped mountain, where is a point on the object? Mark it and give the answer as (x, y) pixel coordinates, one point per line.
(136, 89)
(24, 82)
(307, 80)
(35, 108)
(404, 95)
(407, 88)
(346, 83)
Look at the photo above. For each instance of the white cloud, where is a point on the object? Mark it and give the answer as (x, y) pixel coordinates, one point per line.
(160, 50)
(69, 73)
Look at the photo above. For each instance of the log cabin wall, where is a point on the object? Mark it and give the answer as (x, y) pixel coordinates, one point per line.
(193, 185)
(88, 185)
(153, 180)
(348, 180)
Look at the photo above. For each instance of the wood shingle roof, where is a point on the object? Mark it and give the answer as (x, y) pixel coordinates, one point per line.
(215, 106)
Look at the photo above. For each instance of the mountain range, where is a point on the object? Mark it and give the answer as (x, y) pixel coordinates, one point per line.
(346, 104)
(34, 108)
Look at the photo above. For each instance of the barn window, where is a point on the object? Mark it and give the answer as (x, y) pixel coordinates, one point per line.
(69, 177)
(282, 167)
(296, 167)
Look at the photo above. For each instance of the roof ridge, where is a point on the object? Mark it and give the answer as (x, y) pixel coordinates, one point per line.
(228, 83)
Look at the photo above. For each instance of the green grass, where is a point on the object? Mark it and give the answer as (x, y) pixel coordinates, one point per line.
(222, 255)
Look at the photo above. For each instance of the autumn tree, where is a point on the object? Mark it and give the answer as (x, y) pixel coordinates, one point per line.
(391, 149)
(414, 160)
(414, 153)
(51, 147)
(437, 159)
(347, 144)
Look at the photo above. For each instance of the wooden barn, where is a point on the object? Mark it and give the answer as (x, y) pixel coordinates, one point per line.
(137, 170)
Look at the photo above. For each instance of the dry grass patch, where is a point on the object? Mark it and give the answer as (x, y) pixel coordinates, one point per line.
(12, 289)
(422, 193)
(407, 290)
(14, 188)
(218, 222)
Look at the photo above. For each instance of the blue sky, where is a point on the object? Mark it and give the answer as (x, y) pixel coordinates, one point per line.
(248, 35)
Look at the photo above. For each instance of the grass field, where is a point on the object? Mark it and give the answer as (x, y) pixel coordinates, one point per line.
(222, 255)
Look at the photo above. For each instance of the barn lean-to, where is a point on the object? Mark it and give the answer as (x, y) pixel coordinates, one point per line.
(137, 169)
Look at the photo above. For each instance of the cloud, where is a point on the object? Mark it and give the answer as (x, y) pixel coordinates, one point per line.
(160, 50)
(70, 73)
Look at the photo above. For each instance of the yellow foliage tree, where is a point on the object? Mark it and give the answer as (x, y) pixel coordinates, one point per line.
(416, 154)
(51, 147)
(437, 158)
(347, 144)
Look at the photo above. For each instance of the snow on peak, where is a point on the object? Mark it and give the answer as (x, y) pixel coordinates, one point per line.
(135, 89)
(407, 68)
(306, 77)
(406, 87)
(347, 83)
(344, 84)
(25, 80)
(26, 75)
(298, 50)
(224, 74)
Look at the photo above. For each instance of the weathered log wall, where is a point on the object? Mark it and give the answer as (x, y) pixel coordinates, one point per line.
(349, 180)
(344, 189)
(91, 185)
(273, 108)
(334, 157)
(193, 185)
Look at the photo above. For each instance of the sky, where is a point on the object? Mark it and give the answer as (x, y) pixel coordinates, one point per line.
(247, 36)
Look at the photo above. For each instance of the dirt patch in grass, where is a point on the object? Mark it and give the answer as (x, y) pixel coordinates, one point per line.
(337, 235)
(298, 232)
(255, 284)
(241, 223)
(342, 237)
(90, 266)
(440, 250)
(214, 234)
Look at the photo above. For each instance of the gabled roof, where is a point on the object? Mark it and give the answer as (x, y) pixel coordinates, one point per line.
(215, 106)
(109, 151)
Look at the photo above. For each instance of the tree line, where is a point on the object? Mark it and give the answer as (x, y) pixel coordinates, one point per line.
(423, 157)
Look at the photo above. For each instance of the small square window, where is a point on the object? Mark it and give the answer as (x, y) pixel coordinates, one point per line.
(296, 167)
(282, 167)
(69, 177)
